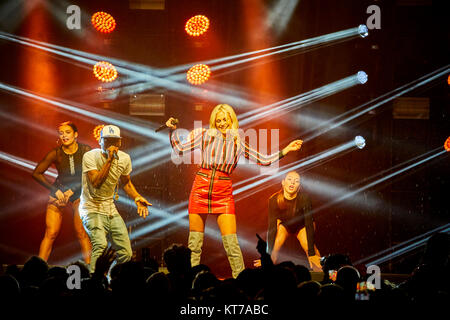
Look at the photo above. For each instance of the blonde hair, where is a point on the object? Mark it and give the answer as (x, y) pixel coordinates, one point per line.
(228, 110)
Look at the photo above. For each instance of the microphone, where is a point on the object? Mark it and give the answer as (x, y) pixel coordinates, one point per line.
(114, 155)
(164, 126)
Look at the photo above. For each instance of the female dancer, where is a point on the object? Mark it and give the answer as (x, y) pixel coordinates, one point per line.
(66, 189)
(290, 213)
(212, 192)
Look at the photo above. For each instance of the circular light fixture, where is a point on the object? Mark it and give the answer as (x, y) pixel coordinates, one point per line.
(360, 142)
(447, 144)
(105, 71)
(97, 130)
(362, 77)
(103, 22)
(198, 74)
(363, 31)
(197, 25)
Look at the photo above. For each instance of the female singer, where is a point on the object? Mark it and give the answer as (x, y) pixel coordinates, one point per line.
(212, 192)
(66, 189)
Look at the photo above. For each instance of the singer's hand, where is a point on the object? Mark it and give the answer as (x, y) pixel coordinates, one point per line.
(293, 146)
(111, 151)
(170, 125)
(142, 204)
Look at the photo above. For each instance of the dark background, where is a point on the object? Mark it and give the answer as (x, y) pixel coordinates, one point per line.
(413, 41)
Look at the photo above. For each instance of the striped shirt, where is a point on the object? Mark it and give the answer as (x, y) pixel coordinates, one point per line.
(219, 152)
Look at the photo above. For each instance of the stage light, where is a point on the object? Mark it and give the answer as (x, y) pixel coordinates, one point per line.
(25, 164)
(197, 25)
(97, 130)
(447, 144)
(362, 77)
(294, 103)
(81, 110)
(363, 31)
(280, 15)
(103, 22)
(105, 71)
(297, 46)
(360, 142)
(448, 79)
(365, 108)
(198, 74)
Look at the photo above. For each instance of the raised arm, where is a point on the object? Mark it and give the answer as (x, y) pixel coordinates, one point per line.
(98, 177)
(193, 141)
(259, 158)
(267, 160)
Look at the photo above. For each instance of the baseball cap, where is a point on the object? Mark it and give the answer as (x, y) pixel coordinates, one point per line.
(110, 131)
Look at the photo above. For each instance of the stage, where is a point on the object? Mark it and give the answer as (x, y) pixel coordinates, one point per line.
(351, 97)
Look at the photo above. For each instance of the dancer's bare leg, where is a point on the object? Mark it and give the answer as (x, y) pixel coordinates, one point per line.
(53, 219)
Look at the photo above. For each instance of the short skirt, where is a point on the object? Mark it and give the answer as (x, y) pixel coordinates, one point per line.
(211, 193)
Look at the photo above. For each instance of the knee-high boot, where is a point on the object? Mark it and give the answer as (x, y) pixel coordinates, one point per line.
(231, 245)
(195, 243)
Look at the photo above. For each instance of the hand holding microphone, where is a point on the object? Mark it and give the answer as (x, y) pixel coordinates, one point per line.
(171, 123)
(112, 152)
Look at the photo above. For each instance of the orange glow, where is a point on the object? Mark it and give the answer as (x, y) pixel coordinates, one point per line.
(105, 71)
(448, 80)
(265, 76)
(103, 22)
(447, 144)
(38, 72)
(197, 25)
(97, 131)
(198, 74)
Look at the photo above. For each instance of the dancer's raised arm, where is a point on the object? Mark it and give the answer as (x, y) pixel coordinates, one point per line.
(193, 141)
(267, 160)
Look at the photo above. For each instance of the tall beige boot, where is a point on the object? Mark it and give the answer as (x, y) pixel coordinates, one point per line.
(195, 243)
(231, 245)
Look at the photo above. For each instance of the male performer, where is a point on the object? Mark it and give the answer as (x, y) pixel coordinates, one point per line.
(290, 213)
(102, 169)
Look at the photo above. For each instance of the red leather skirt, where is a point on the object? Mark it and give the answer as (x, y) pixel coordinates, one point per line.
(211, 193)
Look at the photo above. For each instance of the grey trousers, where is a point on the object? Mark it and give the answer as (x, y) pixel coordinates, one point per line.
(101, 228)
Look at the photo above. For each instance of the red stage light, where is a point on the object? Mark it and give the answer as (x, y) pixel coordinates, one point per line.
(105, 71)
(447, 144)
(103, 22)
(97, 131)
(198, 74)
(197, 25)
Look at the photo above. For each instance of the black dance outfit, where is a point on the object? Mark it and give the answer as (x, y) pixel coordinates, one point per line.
(69, 167)
(294, 215)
